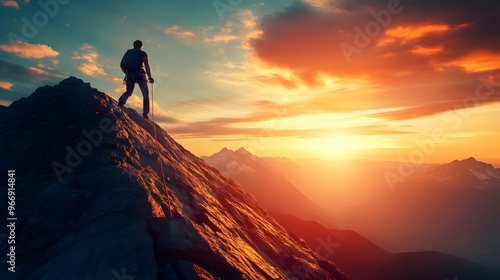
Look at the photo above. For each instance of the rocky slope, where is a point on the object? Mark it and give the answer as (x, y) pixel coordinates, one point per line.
(90, 203)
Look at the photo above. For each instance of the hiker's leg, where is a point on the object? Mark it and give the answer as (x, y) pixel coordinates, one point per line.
(145, 94)
(128, 92)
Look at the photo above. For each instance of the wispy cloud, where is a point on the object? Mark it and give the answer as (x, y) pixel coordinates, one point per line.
(26, 50)
(39, 71)
(10, 3)
(427, 50)
(248, 19)
(478, 61)
(6, 85)
(178, 31)
(320, 3)
(224, 34)
(92, 67)
(16, 72)
(24, 80)
(412, 32)
(232, 127)
(221, 38)
(43, 66)
(241, 25)
(279, 117)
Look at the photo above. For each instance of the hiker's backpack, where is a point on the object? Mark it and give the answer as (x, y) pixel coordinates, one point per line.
(132, 60)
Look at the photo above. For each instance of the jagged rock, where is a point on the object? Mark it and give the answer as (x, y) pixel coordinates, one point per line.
(91, 205)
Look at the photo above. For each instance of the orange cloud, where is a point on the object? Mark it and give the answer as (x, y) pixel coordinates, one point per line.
(318, 3)
(248, 19)
(178, 31)
(91, 70)
(41, 65)
(120, 89)
(241, 26)
(89, 47)
(229, 65)
(25, 50)
(478, 61)
(39, 71)
(275, 79)
(413, 32)
(10, 3)
(421, 69)
(114, 79)
(221, 38)
(6, 85)
(232, 127)
(92, 67)
(426, 50)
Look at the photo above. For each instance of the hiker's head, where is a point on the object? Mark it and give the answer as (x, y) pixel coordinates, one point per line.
(138, 44)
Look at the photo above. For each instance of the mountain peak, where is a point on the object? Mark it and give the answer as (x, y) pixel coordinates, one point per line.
(109, 187)
(71, 81)
(243, 152)
(223, 153)
(470, 163)
(469, 173)
(469, 160)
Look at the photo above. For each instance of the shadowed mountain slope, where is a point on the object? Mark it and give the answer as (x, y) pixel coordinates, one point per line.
(363, 260)
(262, 180)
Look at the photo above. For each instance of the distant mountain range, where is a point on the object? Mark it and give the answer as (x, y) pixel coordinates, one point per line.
(468, 173)
(363, 260)
(452, 208)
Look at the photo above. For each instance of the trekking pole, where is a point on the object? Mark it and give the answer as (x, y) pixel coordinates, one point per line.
(153, 103)
(161, 163)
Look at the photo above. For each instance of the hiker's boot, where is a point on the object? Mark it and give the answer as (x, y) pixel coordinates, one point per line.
(120, 104)
(145, 116)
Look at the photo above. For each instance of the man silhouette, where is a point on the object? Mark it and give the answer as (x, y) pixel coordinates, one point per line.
(132, 65)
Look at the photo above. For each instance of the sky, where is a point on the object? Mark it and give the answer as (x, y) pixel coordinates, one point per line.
(386, 80)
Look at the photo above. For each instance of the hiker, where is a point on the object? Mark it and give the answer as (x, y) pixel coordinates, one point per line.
(131, 65)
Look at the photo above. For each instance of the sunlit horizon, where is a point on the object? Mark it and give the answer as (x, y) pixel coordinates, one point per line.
(297, 79)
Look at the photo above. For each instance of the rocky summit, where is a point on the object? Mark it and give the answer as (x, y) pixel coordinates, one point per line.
(90, 201)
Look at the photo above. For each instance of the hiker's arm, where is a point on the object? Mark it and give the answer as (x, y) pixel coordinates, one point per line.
(148, 70)
(121, 66)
